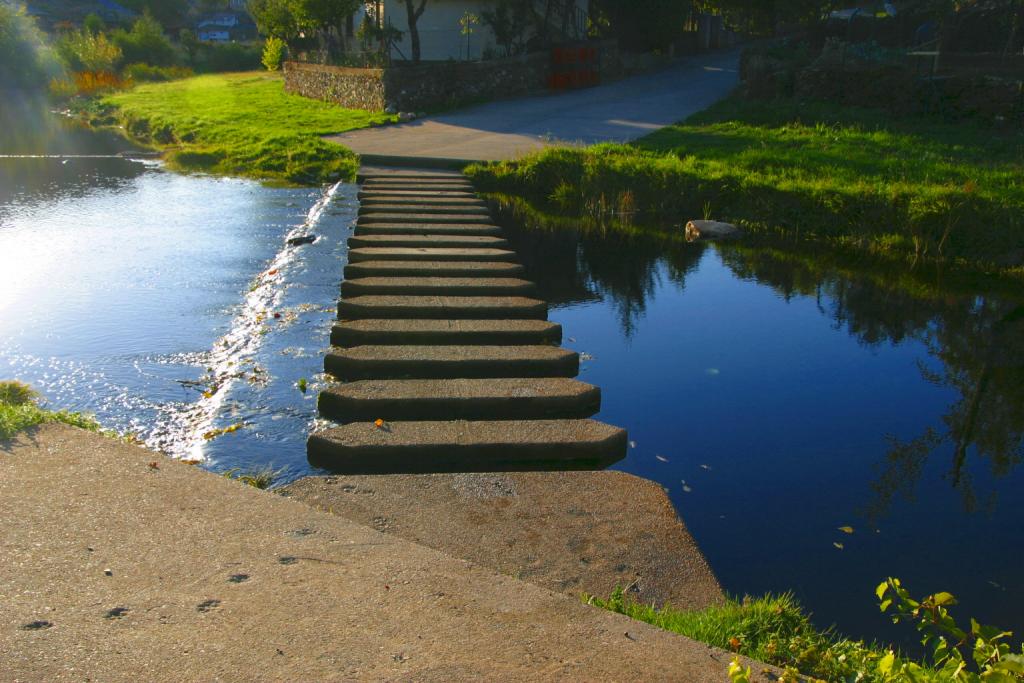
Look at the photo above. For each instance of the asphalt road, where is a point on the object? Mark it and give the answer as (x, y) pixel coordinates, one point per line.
(615, 112)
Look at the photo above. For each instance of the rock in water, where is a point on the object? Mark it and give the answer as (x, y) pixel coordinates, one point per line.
(308, 238)
(710, 230)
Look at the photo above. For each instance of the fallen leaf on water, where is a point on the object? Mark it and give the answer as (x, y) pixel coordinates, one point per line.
(846, 529)
(838, 545)
(572, 339)
(214, 433)
(632, 444)
(272, 272)
(687, 489)
(586, 356)
(705, 467)
(661, 458)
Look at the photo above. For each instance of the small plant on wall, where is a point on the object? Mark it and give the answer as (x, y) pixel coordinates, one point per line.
(467, 26)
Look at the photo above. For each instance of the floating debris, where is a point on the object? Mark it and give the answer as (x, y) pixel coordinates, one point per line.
(661, 458)
(846, 529)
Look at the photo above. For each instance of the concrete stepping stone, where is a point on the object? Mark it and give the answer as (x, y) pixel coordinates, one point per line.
(442, 307)
(417, 183)
(428, 254)
(417, 187)
(467, 446)
(450, 286)
(409, 268)
(370, 175)
(434, 194)
(426, 201)
(410, 178)
(459, 399)
(480, 212)
(385, 217)
(428, 229)
(381, 332)
(427, 240)
(450, 362)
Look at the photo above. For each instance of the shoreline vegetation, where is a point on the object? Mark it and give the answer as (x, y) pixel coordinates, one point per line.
(239, 124)
(20, 410)
(912, 190)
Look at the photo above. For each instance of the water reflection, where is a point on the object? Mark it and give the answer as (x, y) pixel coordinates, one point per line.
(819, 393)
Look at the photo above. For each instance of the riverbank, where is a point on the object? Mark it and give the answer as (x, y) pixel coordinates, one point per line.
(241, 583)
(811, 172)
(239, 124)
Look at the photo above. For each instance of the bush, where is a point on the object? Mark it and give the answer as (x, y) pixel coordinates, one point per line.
(87, 51)
(144, 73)
(221, 57)
(25, 60)
(273, 53)
(145, 43)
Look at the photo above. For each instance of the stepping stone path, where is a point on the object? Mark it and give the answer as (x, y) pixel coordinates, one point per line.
(443, 359)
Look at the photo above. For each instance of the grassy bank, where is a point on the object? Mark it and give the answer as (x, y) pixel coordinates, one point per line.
(241, 124)
(19, 411)
(776, 630)
(850, 177)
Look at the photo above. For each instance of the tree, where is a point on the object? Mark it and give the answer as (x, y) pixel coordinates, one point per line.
(167, 12)
(287, 19)
(413, 13)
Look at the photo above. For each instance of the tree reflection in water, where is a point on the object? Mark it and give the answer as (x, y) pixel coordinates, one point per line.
(976, 338)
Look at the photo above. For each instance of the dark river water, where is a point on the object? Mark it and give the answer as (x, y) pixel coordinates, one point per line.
(784, 402)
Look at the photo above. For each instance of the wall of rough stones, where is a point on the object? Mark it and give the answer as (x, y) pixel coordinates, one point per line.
(433, 85)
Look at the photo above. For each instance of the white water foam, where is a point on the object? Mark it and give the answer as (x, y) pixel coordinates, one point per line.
(230, 360)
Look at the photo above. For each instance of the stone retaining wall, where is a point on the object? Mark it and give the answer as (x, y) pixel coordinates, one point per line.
(415, 88)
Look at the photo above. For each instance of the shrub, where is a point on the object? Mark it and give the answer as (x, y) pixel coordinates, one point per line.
(146, 43)
(15, 393)
(220, 57)
(25, 60)
(144, 73)
(273, 53)
(87, 51)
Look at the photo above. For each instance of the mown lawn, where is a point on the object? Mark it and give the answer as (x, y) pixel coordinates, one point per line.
(813, 171)
(241, 124)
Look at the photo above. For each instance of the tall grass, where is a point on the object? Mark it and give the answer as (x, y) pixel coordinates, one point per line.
(19, 411)
(808, 171)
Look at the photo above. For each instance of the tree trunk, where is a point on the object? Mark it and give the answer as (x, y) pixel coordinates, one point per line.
(413, 15)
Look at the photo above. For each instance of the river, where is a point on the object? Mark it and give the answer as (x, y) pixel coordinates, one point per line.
(819, 426)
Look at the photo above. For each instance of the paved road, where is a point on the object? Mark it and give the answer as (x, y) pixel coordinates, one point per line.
(616, 112)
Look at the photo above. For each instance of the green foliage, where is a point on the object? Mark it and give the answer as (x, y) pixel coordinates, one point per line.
(980, 653)
(146, 43)
(19, 411)
(241, 124)
(510, 21)
(840, 175)
(167, 12)
(221, 57)
(25, 59)
(643, 25)
(94, 23)
(776, 630)
(15, 393)
(144, 73)
(259, 479)
(273, 53)
(86, 50)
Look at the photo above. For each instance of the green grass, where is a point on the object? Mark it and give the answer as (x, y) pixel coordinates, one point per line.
(240, 124)
(808, 171)
(20, 411)
(260, 479)
(773, 629)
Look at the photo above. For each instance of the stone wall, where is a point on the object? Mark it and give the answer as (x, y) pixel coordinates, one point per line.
(351, 88)
(433, 85)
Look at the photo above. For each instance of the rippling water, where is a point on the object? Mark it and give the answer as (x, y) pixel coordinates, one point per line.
(170, 306)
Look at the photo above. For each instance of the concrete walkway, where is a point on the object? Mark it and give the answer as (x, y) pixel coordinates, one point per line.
(122, 565)
(616, 112)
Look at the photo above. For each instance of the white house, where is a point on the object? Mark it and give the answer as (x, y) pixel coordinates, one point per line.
(441, 31)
